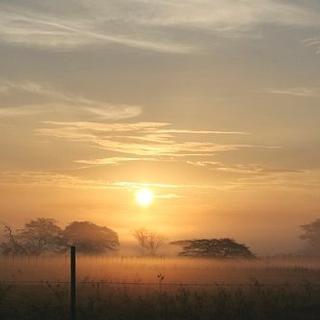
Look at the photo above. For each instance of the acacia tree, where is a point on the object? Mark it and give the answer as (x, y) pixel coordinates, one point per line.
(213, 248)
(149, 241)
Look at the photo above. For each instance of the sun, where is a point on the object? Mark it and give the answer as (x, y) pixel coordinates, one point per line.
(144, 197)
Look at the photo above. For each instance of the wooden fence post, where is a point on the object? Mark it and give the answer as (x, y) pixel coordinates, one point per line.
(73, 282)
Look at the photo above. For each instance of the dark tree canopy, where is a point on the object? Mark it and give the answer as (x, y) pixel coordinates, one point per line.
(90, 238)
(213, 248)
(43, 235)
(36, 237)
(311, 234)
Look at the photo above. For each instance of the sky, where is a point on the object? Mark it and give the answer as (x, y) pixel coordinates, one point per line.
(211, 104)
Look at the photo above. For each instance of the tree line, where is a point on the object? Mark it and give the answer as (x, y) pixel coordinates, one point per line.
(43, 236)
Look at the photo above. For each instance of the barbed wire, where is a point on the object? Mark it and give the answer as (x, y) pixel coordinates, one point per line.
(157, 284)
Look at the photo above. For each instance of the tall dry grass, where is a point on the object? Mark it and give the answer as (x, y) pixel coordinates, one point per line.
(294, 292)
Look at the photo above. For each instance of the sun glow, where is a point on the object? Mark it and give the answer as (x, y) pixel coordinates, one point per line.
(144, 197)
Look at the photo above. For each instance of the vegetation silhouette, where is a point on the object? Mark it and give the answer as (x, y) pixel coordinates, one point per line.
(36, 237)
(149, 241)
(213, 248)
(43, 235)
(90, 238)
(11, 246)
(311, 234)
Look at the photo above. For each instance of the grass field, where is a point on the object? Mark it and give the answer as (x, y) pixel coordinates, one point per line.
(158, 288)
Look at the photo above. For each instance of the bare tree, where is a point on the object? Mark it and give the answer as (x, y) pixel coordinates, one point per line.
(11, 245)
(149, 241)
(36, 237)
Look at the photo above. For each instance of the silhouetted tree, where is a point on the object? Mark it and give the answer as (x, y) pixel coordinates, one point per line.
(213, 248)
(149, 241)
(10, 245)
(36, 237)
(311, 234)
(90, 238)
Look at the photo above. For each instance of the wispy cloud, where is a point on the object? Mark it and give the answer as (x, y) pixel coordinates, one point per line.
(226, 15)
(48, 179)
(254, 177)
(149, 142)
(278, 180)
(113, 161)
(243, 169)
(297, 92)
(201, 131)
(44, 28)
(307, 180)
(26, 110)
(140, 23)
(314, 43)
(59, 180)
(141, 139)
(53, 99)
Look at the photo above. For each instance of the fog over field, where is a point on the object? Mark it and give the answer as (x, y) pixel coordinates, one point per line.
(177, 271)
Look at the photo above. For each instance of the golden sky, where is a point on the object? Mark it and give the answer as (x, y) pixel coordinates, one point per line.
(211, 104)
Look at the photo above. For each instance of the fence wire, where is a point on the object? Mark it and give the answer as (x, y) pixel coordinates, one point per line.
(157, 284)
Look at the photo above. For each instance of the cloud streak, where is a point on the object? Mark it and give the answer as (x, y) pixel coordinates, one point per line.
(226, 15)
(142, 24)
(313, 43)
(58, 180)
(296, 92)
(143, 141)
(45, 29)
(57, 100)
(280, 180)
